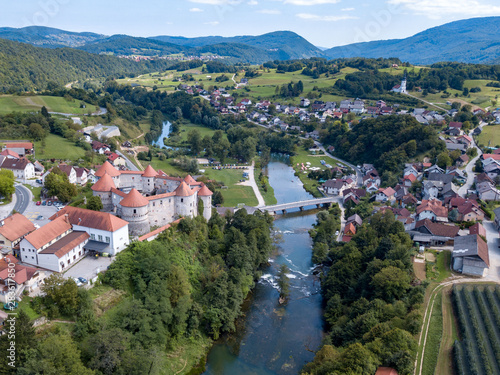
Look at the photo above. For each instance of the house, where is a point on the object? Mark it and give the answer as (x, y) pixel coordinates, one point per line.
(334, 187)
(108, 233)
(434, 234)
(433, 169)
(82, 175)
(496, 211)
(25, 279)
(355, 220)
(470, 255)
(385, 195)
(409, 179)
(55, 246)
(69, 171)
(13, 229)
(350, 229)
(116, 159)
(463, 160)
(22, 168)
(100, 147)
(39, 168)
(466, 140)
(487, 191)
(386, 371)
(20, 148)
(432, 209)
(304, 102)
(9, 154)
(246, 102)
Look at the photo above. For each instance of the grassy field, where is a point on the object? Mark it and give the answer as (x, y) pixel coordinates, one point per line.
(57, 147)
(234, 194)
(440, 269)
(490, 136)
(11, 103)
(35, 190)
(449, 335)
(165, 166)
(303, 156)
(433, 337)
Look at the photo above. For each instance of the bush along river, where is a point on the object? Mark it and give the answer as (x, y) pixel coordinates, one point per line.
(272, 338)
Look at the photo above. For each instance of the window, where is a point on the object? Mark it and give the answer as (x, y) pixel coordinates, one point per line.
(108, 240)
(135, 211)
(92, 236)
(2, 242)
(32, 257)
(153, 204)
(100, 238)
(182, 200)
(74, 257)
(79, 253)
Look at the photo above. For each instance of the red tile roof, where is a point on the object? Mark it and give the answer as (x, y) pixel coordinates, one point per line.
(105, 183)
(438, 229)
(25, 145)
(107, 168)
(386, 371)
(149, 172)
(134, 199)
(477, 229)
(433, 205)
(183, 190)
(204, 192)
(8, 152)
(91, 219)
(48, 232)
(15, 227)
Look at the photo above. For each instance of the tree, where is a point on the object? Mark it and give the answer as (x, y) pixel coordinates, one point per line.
(94, 203)
(390, 283)
(58, 185)
(61, 293)
(195, 141)
(217, 198)
(443, 160)
(106, 349)
(24, 340)
(37, 132)
(7, 187)
(283, 283)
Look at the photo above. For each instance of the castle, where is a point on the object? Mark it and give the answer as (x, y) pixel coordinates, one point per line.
(149, 198)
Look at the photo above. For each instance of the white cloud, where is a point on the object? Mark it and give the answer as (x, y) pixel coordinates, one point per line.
(316, 17)
(253, 2)
(310, 2)
(212, 23)
(347, 9)
(196, 10)
(269, 11)
(437, 8)
(216, 2)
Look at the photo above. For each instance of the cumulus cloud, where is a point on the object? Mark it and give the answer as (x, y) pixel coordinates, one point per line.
(212, 23)
(347, 9)
(316, 17)
(216, 2)
(253, 2)
(196, 10)
(439, 8)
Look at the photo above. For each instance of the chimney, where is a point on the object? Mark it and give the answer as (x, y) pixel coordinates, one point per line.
(66, 217)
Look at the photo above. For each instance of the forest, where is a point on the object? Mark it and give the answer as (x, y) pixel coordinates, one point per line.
(372, 301)
(387, 142)
(186, 285)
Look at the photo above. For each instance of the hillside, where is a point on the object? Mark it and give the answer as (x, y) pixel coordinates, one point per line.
(284, 44)
(476, 40)
(48, 37)
(24, 67)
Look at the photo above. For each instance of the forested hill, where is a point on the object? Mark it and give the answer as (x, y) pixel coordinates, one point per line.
(24, 67)
(475, 40)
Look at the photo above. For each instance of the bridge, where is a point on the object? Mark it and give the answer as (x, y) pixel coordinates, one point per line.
(316, 203)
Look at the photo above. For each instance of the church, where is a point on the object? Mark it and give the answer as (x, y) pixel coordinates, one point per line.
(150, 198)
(401, 88)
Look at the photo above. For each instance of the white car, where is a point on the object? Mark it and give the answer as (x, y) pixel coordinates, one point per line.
(78, 282)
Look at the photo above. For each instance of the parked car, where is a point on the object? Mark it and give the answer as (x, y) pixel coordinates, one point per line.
(78, 282)
(40, 217)
(49, 203)
(44, 203)
(38, 203)
(83, 280)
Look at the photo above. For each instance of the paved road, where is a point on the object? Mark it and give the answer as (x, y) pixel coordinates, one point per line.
(130, 165)
(359, 175)
(425, 101)
(494, 251)
(470, 174)
(23, 196)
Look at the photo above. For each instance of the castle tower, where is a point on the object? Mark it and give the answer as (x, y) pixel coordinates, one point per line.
(206, 197)
(112, 171)
(134, 209)
(186, 204)
(102, 189)
(148, 180)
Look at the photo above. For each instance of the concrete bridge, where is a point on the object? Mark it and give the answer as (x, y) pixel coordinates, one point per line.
(312, 203)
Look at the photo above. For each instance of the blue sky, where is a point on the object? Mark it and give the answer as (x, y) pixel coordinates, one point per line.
(325, 23)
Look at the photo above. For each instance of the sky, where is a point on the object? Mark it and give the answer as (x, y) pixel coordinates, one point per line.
(325, 23)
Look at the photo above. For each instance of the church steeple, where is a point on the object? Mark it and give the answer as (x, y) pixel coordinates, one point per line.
(403, 85)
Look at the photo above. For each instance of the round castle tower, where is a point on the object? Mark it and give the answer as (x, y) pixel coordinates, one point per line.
(148, 180)
(134, 209)
(186, 204)
(102, 189)
(206, 197)
(112, 171)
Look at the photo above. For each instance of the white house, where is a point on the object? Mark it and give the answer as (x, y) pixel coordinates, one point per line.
(385, 195)
(334, 187)
(22, 168)
(69, 171)
(108, 233)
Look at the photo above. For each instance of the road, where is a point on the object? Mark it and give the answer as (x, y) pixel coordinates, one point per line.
(251, 182)
(130, 165)
(425, 101)
(23, 197)
(359, 175)
(493, 251)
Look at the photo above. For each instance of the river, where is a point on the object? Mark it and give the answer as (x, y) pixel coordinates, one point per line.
(164, 134)
(273, 339)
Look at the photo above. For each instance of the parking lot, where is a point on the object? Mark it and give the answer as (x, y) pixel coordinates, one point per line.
(88, 267)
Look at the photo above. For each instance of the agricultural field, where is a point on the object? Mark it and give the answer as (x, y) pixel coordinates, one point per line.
(477, 309)
(490, 136)
(57, 147)
(11, 103)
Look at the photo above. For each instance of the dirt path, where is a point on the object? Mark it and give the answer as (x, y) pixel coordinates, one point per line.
(443, 366)
(31, 102)
(251, 182)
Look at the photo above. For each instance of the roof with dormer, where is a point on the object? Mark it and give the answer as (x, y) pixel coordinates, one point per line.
(105, 183)
(107, 168)
(134, 199)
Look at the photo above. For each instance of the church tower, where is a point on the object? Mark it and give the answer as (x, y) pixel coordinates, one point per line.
(403, 85)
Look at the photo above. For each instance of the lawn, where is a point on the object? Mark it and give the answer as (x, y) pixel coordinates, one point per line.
(25, 306)
(303, 156)
(10, 103)
(490, 136)
(440, 269)
(35, 190)
(165, 166)
(57, 147)
(234, 194)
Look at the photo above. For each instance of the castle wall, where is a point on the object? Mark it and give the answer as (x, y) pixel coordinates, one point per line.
(187, 206)
(148, 185)
(164, 185)
(161, 211)
(207, 207)
(132, 180)
(137, 218)
(106, 199)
